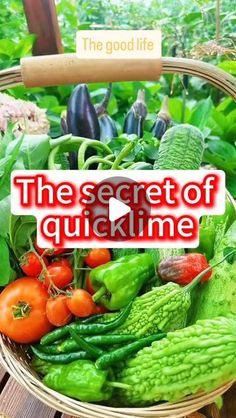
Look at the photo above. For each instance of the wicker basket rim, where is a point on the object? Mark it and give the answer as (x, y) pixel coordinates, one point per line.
(18, 368)
(219, 78)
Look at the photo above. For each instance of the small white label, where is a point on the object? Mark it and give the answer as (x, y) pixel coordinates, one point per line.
(119, 44)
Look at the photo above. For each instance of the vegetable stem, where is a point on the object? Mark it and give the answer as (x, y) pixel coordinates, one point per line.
(51, 158)
(93, 144)
(78, 263)
(127, 149)
(119, 385)
(89, 348)
(198, 278)
(95, 159)
(99, 293)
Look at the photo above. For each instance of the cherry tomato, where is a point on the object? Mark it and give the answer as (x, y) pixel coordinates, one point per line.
(89, 286)
(57, 311)
(49, 252)
(63, 262)
(23, 310)
(80, 303)
(31, 264)
(58, 274)
(100, 309)
(97, 257)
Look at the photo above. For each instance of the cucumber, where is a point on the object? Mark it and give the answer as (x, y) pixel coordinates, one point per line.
(181, 148)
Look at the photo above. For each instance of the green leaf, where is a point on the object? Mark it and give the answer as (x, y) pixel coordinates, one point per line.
(48, 102)
(201, 113)
(231, 185)
(222, 155)
(150, 151)
(6, 47)
(8, 167)
(112, 106)
(34, 151)
(5, 211)
(220, 119)
(176, 109)
(21, 228)
(24, 46)
(229, 66)
(5, 267)
(189, 18)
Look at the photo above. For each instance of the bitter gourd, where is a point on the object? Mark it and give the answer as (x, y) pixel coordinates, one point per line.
(218, 295)
(181, 148)
(162, 309)
(198, 358)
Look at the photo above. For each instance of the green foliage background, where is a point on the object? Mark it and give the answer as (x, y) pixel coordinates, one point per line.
(185, 25)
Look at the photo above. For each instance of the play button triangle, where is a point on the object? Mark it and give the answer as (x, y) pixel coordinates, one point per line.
(117, 209)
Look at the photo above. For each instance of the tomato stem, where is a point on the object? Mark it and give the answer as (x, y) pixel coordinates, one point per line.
(21, 310)
(77, 268)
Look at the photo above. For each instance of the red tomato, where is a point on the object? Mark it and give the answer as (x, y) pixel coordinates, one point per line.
(81, 303)
(49, 252)
(89, 286)
(63, 262)
(58, 274)
(100, 309)
(97, 256)
(57, 311)
(31, 264)
(23, 310)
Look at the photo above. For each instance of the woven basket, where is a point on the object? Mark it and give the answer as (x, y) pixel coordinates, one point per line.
(13, 356)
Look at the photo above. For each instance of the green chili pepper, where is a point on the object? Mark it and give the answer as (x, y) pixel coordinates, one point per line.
(80, 380)
(92, 351)
(118, 282)
(87, 329)
(122, 353)
(50, 349)
(69, 345)
(60, 358)
(92, 319)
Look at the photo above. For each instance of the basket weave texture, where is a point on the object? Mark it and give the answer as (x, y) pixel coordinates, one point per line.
(13, 356)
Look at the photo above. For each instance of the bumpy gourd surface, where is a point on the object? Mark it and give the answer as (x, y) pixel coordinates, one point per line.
(162, 309)
(200, 357)
(181, 148)
(218, 295)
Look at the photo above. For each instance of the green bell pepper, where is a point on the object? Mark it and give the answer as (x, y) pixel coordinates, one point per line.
(80, 380)
(118, 282)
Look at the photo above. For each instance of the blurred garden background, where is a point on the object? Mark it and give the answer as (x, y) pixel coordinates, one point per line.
(200, 29)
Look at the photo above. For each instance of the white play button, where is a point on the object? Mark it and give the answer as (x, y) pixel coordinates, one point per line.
(117, 209)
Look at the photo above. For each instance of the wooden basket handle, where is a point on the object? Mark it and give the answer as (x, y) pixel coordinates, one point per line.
(61, 69)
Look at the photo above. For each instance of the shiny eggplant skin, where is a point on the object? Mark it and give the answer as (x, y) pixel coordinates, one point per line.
(133, 124)
(82, 119)
(108, 129)
(162, 121)
(134, 120)
(159, 128)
